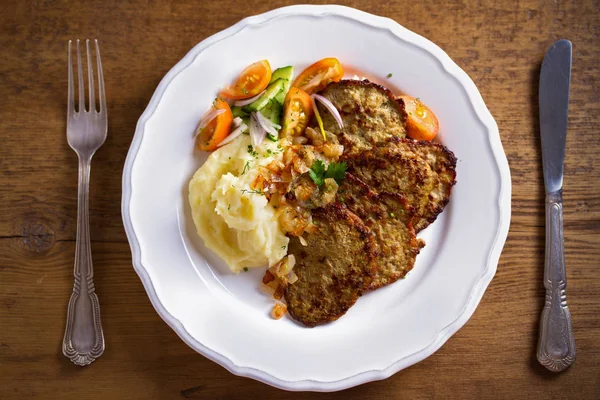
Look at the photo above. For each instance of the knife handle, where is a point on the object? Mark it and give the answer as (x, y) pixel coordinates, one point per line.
(556, 347)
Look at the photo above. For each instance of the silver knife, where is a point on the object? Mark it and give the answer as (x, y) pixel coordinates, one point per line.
(556, 347)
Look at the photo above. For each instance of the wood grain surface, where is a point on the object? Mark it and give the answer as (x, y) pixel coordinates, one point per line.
(500, 44)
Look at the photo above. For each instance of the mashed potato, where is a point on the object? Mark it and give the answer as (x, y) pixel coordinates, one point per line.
(234, 220)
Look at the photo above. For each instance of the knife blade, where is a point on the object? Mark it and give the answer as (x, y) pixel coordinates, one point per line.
(556, 345)
(555, 80)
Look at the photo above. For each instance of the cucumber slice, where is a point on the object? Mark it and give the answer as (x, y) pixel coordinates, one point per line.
(272, 90)
(286, 73)
(272, 112)
(238, 112)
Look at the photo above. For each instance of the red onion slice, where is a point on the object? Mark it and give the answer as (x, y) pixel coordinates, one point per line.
(245, 102)
(329, 106)
(207, 118)
(266, 124)
(237, 132)
(257, 133)
(237, 121)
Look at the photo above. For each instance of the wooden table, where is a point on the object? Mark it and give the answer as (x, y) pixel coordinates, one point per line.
(500, 46)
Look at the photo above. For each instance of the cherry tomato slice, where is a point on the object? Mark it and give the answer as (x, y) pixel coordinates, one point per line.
(217, 129)
(253, 80)
(421, 123)
(298, 110)
(319, 75)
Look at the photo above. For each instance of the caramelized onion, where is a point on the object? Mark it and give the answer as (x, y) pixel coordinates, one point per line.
(332, 150)
(300, 140)
(292, 277)
(278, 310)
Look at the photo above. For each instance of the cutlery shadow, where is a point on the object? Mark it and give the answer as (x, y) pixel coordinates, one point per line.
(540, 226)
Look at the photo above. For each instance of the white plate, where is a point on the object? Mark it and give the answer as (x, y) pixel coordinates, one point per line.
(224, 316)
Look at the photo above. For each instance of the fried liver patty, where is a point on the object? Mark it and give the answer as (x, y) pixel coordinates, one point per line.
(334, 268)
(443, 164)
(389, 217)
(372, 116)
(375, 143)
(422, 172)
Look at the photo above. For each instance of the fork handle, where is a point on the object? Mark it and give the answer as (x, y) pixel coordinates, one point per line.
(556, 347)
(84, 340)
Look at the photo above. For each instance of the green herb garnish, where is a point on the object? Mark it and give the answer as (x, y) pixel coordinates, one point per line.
(390, 75)
(252, 152)
(318, 173)
(245, 269)
(253, 192)
(336, 171)
(246, 167)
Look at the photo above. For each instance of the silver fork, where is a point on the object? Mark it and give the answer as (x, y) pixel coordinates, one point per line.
(86, 132)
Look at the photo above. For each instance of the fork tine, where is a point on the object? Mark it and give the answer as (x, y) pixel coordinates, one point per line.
(80, 73)
(92, 93)
(101, 93)
(70, 101)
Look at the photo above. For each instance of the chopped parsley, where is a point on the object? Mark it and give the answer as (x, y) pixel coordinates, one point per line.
(246, 167)
(228, 207)
(283, 247)
(390, 75)
(252, 152)
(318, 173)
(245, 269)
(392, 215)
(336, 171)
(253, 191)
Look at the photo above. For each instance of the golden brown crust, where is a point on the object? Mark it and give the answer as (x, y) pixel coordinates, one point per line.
(334, 268)
(443, 164)
(423, 172)
(390, 218)
(371, 114)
